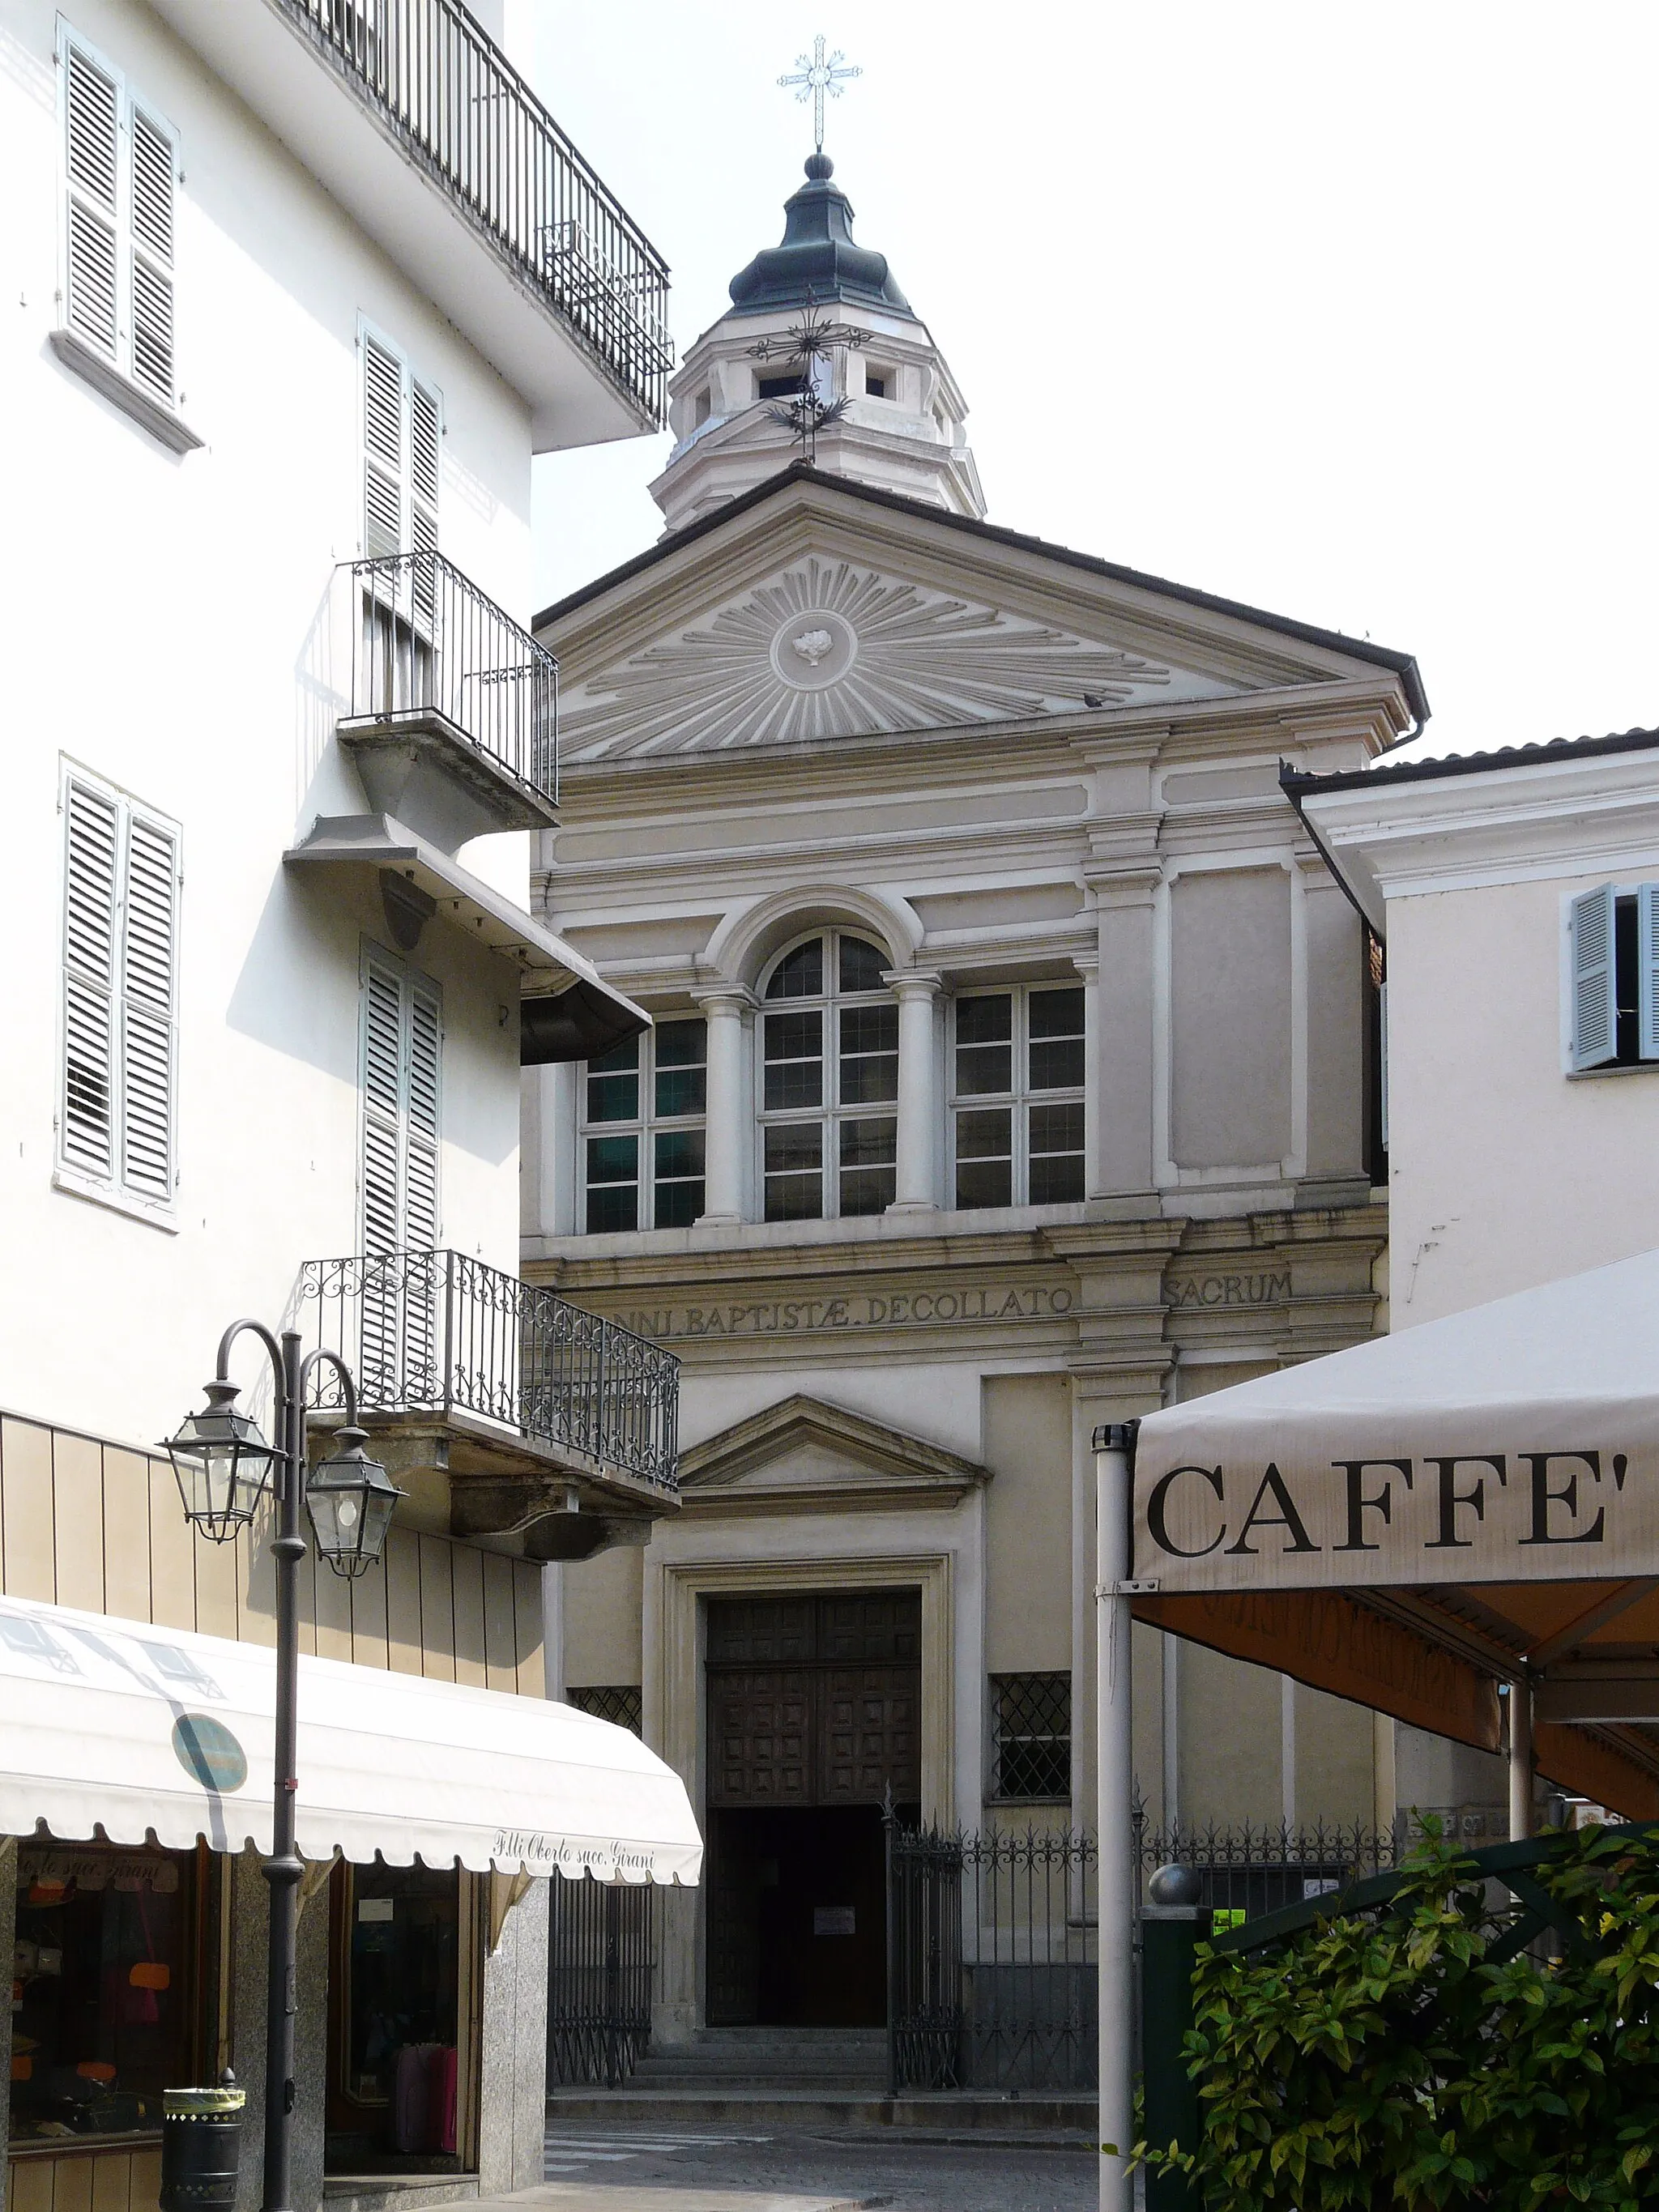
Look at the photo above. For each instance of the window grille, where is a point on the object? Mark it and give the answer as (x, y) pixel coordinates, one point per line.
(1032, 1753)
(619, 1702)
(1018, 1104)
(644, 1133)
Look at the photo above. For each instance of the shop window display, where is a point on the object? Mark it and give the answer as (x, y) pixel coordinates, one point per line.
(103, 2012)
(396, 1998)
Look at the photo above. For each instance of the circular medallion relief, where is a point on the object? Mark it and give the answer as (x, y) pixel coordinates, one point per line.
(814, 650)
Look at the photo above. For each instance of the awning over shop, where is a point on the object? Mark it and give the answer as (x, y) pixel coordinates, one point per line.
(117, 1727)
(1415, 1520)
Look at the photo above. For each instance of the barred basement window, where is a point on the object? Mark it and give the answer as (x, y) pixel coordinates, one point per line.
(643, 1130)
(1031, 1748)
(611, 1701)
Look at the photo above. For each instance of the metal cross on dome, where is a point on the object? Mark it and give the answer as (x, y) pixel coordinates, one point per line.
(814, 75)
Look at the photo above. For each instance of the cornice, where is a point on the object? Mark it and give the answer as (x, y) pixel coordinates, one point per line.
(1527, 824)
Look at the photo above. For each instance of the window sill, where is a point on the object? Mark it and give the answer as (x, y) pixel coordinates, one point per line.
(117, 1202)
(1614, 1069)
(121, 391)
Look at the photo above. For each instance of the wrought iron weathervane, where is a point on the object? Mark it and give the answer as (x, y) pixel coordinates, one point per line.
(813, 76)
(813, 342)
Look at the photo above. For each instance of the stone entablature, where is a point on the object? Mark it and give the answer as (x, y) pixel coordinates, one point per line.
(1274, 1288)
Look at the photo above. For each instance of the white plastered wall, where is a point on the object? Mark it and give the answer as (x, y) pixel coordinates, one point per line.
(173, 614)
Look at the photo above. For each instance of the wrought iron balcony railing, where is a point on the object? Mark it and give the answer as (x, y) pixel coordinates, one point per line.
(461, 110)
(429, 643)
(442, 1333)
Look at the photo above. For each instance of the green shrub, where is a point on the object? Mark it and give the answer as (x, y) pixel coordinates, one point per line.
(1396, 2059)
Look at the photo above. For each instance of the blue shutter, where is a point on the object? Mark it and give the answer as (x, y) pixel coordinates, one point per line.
(1647, 967)
(1594, 998)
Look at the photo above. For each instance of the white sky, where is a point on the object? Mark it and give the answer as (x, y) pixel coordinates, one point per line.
(1346, 311)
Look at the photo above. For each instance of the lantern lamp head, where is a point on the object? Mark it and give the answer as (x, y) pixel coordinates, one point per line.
(350, 1499)
(223, 1464)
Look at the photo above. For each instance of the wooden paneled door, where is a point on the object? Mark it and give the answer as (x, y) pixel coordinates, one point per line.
(814, 1707)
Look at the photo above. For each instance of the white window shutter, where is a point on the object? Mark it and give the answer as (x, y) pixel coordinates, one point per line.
(149, 967)
(383, 417)
(1382, 1057)
(1594, 997)
(92, 102)
(1647, 967)
(152, 204)
(422, 1125)
(92, 862)
(382, 1108)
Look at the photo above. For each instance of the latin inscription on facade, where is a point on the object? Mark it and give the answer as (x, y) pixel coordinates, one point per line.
(1257, 1289)
(1000, 1302)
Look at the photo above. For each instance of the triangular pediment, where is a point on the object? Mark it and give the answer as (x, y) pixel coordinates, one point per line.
(805, 1455)
(814, 610)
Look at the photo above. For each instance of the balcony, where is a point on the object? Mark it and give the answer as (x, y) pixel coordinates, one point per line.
(453, 711)
(418, 126)
(505, 1411)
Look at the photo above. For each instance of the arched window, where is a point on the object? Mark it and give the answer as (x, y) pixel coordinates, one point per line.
(829, 1082)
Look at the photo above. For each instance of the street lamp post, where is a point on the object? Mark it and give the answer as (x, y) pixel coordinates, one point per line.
(223, 1466)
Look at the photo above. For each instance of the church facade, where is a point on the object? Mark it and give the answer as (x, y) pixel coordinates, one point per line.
(1013, 1070)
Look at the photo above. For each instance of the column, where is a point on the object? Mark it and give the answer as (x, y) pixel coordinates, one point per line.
(1087, 965)
(917, 1180)
(728, 1123)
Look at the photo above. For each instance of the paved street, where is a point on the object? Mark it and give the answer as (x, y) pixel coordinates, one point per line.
(909, 2172)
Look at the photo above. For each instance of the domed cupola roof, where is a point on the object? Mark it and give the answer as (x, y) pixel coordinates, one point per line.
(818, 260)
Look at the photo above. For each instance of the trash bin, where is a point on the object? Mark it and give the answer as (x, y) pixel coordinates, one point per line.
(201, 2146)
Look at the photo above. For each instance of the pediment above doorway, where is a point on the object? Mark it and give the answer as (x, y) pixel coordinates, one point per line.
(805, 1455)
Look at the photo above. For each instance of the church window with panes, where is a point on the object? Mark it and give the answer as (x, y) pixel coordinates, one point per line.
(829, 1082)
(644, 1119)
(1016, 1107)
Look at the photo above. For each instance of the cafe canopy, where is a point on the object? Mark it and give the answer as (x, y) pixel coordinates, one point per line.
(1413, 1522)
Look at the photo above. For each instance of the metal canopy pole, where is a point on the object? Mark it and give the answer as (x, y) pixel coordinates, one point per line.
(1520, 1705)
(1114, 1770)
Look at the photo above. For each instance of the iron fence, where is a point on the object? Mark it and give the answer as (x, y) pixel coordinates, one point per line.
(598, 1987)
(1247, 1871)
(441, 1331)
(993, 1937)
(462, 112)
(428, 642)
(992, 1960)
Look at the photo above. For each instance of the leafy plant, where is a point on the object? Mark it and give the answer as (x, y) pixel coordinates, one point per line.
(1398, 2058)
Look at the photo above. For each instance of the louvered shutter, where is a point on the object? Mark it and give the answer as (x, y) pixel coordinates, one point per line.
(1382, 1062)
(91, 109)
(151, 249)
(420, 1138)
(421, 1141)
(1594, 997)
(149, 959)
(382, 450)
(1647, 967)
(378, 1367)
(92, 860)
(424, 434)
